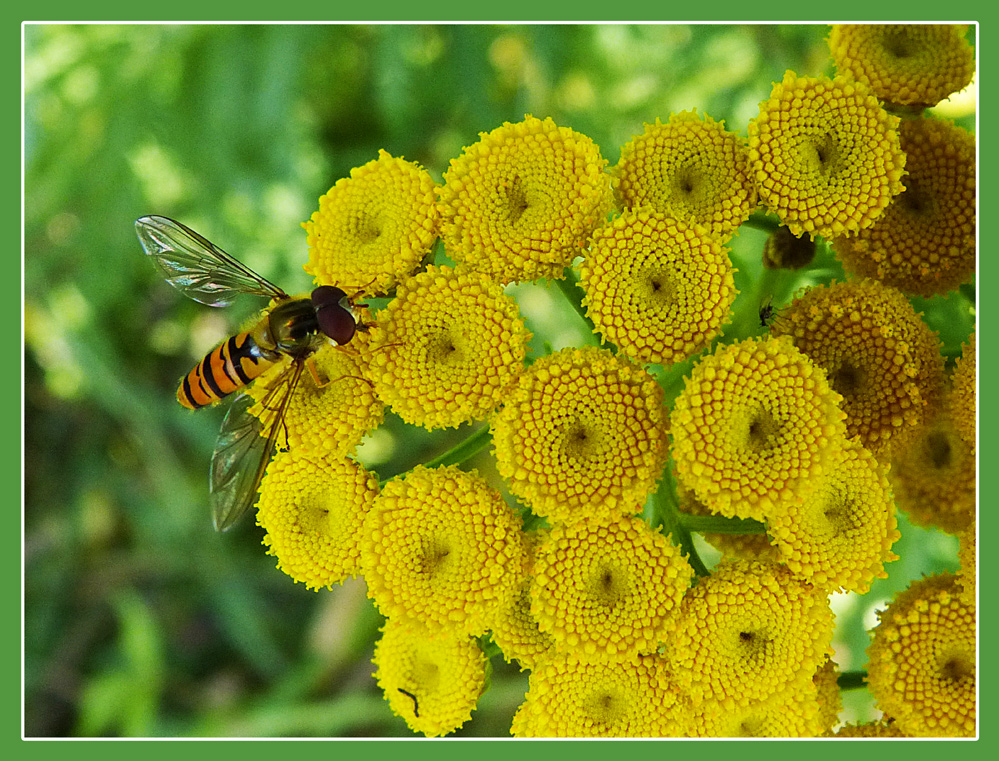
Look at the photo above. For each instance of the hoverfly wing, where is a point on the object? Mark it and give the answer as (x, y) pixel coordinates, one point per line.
(197, 267)
(245, 446)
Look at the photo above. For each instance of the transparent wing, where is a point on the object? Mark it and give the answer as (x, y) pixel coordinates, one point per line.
(197, 267)
(245, 446)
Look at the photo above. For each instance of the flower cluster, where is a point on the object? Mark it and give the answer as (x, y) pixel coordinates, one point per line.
(768, 429)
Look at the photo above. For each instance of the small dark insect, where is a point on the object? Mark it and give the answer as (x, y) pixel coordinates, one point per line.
(767, 314)
(416, 705)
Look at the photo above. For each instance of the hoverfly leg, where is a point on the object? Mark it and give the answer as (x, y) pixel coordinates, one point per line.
(310, 363)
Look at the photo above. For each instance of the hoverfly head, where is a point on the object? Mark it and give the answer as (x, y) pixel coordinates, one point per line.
(333, 313)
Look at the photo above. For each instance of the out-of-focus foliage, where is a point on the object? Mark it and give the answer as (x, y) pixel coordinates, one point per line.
(139, 619)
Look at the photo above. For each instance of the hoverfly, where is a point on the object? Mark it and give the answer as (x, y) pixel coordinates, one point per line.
(293, 328)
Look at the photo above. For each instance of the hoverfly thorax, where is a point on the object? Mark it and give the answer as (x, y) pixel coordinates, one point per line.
(293, 328)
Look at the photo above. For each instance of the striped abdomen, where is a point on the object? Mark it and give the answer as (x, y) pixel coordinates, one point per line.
(224, 370)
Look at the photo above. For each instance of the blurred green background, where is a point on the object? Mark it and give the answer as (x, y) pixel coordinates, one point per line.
(139, 620)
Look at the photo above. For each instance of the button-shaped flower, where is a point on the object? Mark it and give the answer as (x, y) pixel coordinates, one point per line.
(925, 241)
(915, 65)
(754, 428)
(933, 477)
(433, 682)
(631, 698)
(658, 289)
(748, 632)
(331, 415)
(442, 548)
(312, 506)
(607, 589)
(520, 203)
(373, 228)
(876, 351)
(449, 347)
(825, 155)
(691, 169)
(582, 433)
(841, 535)
(921, 661)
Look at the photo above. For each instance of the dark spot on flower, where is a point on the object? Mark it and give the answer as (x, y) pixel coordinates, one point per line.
(515, 201)
(939, 450)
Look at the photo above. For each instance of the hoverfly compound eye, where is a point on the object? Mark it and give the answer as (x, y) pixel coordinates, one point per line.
(334, 318)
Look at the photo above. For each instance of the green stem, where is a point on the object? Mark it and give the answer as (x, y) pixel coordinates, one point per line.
(574, 295)
(764, 221)
(718, 524)
(852, 680)
(667, 514)
(464, 450)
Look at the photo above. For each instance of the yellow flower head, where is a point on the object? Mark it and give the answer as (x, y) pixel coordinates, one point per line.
(754, 427)
(748, 632)
(934, 477)
(877, 352)
(967, 551)
(963, 395)
(520, 203)
(657, 288)
(433, 682)
(514, 628)
(450, 345)
(788, 713)
(905, 64)
(841, 536)
(373, 228)
(312, 506)
(630, 698)
(582, 433)
(689, 169)
(825, 155)
(925, 241)
(441, 547)
(607, 589)
(829, 695)
(331, 417)
(921, 661)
